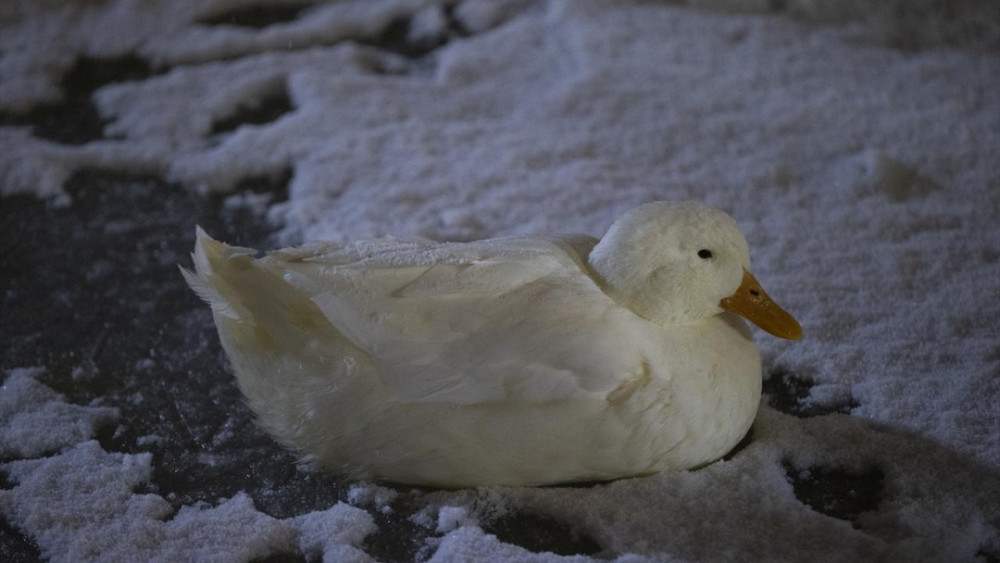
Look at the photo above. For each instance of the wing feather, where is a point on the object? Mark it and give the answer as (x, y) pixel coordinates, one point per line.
(465, 323)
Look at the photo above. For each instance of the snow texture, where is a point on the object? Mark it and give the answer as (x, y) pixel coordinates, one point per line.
(380, 498)
(27, 406)
(81, 504)
(856, 143)
(333, 533)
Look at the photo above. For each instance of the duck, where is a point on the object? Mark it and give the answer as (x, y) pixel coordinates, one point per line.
(513, 361)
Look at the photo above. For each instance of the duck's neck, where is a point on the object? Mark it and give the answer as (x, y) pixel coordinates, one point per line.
(635, 281)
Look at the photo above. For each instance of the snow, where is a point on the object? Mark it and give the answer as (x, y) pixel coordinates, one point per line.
(470, 543)
(451, 517)
(865, 176)
(27, 405)
(334, 533)
(81, 504)
(380, 498)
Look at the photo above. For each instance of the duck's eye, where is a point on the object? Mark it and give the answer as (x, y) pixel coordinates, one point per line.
(704, 254)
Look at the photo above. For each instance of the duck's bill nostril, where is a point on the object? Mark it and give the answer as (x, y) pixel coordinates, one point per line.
(753, 303)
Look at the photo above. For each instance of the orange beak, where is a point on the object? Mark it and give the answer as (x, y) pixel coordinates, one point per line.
(753, 303)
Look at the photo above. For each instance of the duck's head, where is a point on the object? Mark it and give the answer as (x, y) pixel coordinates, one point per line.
(681, 263)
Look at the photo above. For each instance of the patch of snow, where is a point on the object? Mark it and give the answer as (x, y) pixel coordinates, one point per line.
(749, 509)
(81, 505)
(451, 517)
(335, 533)
(470, 543)
(380, 498)
(234, 531)
(36, 420)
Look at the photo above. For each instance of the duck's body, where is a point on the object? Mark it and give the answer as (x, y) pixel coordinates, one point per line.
(510, 361)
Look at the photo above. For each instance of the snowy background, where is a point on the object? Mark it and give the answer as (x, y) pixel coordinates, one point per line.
(857, 144)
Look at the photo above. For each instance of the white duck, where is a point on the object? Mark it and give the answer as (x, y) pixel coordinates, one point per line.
(512, 361)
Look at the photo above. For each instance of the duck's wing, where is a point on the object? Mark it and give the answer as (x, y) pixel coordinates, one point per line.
(465, 323)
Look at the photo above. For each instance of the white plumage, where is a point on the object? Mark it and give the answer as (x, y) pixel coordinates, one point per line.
(512, 361)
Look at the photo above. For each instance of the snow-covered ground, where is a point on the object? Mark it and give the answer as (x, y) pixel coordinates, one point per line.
(857, 144)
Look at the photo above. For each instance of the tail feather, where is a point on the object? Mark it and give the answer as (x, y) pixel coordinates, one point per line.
(213, 260)
(285, 353)
(254, 307)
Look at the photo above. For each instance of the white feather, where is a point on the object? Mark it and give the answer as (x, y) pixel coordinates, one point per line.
(506, 361)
